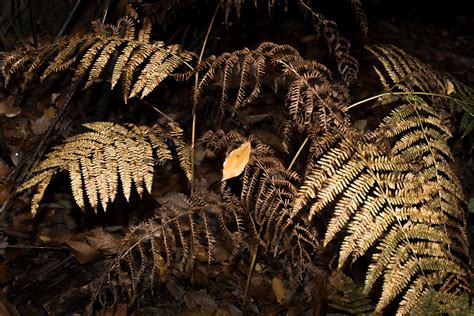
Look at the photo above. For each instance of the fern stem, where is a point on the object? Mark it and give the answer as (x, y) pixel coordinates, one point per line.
(298, 153)
(160, 112)
(196, 81)
(406, 93)
(253, 263)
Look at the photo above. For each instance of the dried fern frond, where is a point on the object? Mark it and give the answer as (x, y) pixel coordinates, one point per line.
(110, 154)
(338, 46)
(404, 202)
(268, 189)
(360, 15)
(401, 71)
(129, 54)
(184, 232)
(312, 96)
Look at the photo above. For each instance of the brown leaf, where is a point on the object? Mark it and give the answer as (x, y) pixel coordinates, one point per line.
(7, 309)
(5, 190)
(104, 241)
(236, 162)
(449, 88)
(4, 169)
(117, 310)
(41, 125)
(278, 289)
(5, 273)
(7, 108)
(83, 252)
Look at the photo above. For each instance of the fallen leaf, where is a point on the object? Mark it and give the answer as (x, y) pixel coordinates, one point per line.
(4, 169)
(104, 241)
(117, 310)
(470, 205)
(5, 190)
(7, 108)
(278, 289)
(361, 124)
(449, 87)
(7, 309)
(41, 125)
(83, 252)
(54, 97)
(5, 273)
(236, 162)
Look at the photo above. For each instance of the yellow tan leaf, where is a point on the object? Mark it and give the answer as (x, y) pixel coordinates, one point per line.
(236, 162)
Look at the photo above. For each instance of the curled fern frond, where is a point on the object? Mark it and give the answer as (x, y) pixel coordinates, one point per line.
(129, 54)
(110, 154)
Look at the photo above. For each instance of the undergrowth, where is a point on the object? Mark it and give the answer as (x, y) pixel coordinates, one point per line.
(387, 200)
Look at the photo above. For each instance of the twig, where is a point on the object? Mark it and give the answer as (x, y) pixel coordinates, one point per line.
(69, 18)
(193, 133)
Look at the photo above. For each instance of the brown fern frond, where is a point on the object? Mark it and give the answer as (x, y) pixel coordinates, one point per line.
(268, 189)
(140, 63)
(97, 160)
(360, 15)
(405, 72)
(348, 296)
(338, 46)
(312, 96)
(403, 202)
(184, 232)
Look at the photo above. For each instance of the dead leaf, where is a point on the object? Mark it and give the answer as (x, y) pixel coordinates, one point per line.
(236, 162)
(41, 125)
(7, 309)
(5, 273)
(104, 241)
(117, 310)
(361, 124)
(7, 108)
(83, 252)
(449, 88)
(54, 97)
(4, 170)
(278, 289)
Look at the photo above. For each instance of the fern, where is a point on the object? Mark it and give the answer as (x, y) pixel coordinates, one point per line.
(338, 46)
(349, 296)
(407, 73)
(394, 193)
(312, 97)
(98, 160)
(267, 191)
(185, 231)
(141, 64)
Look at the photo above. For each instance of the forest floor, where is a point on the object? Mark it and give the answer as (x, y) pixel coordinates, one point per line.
(39, 278)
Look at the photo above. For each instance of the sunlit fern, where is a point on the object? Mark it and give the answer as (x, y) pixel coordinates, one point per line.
(125, 51)
(401, 71)
(110, 154)
(396, 196)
